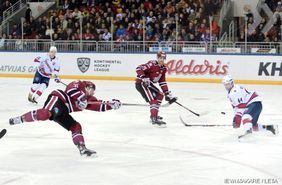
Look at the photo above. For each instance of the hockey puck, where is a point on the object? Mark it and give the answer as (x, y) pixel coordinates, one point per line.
(223, 113)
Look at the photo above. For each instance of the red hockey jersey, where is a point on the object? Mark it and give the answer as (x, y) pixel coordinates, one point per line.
(75, 91)
(154, 71)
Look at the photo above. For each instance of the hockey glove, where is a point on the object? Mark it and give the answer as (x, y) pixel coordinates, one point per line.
(146, 82)
(236, 121)
(114, 104)
(82, 104)
(168, 97)
(57, 79)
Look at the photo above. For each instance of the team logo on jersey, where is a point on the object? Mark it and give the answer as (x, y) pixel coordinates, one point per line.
(83, 64)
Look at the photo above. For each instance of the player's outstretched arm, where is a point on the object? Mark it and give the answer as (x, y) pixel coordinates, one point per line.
(102, 106)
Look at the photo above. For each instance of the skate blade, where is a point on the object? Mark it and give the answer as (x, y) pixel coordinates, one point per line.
(159, 126)
(90, 156)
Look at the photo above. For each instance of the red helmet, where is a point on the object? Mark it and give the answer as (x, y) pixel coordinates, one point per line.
(89, 84)
(161, 54)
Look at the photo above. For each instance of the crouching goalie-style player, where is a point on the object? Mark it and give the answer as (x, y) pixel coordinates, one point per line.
(247, 107)
(59, 104)
(147, 74)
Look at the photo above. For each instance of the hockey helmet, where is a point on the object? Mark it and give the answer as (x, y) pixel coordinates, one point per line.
(53, 49)
(161, 54)
(227, 80)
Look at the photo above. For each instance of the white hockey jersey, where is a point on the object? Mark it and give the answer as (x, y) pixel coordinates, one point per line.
(240, 98)
(47, 66)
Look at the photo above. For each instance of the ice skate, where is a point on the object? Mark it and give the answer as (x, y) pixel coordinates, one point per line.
(15, 120)
(31, 99)
(86, 152)
(158, 122)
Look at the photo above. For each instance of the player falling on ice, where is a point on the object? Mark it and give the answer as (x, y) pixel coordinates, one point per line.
(147, 74)
(247, 108)
(47, 65)
(59, 104)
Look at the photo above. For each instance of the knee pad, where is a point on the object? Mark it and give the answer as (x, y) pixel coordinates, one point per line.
(247, 118)
(76, 128)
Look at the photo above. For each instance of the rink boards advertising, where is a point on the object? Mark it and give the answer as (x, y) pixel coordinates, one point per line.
(252, 69)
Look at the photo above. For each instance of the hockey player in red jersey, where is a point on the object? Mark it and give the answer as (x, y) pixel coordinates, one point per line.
(147, 74)
(77, 96)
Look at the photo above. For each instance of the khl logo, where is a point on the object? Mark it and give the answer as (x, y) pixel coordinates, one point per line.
(83, 64)
(270, 69)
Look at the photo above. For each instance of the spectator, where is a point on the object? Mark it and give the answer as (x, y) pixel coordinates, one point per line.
(49, 32)
(3, 41)
(66, 5)
(28, 14)
(169, 9)
(120, 31)
(184, 35)
(6, 5)
(88, 35)
(206, 36)
(277, 14)
(76, 14)
(106, 35)
(16, 31)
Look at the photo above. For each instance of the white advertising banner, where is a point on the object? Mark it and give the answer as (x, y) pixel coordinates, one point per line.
(156, 49)
(194, 50)
(181, 67)
(228, 50)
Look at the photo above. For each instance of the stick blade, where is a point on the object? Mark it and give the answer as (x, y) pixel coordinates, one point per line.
(2, 133)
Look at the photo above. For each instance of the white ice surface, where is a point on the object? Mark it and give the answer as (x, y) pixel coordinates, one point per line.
(130, 150)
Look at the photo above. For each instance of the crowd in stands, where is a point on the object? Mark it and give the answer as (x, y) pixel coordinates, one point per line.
(257, 35)
(125, 20)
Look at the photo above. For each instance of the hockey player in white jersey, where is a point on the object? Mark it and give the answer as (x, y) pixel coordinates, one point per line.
(47, 64)
(247, 107)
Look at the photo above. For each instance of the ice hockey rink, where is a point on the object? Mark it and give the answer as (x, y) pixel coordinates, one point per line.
(131, 151)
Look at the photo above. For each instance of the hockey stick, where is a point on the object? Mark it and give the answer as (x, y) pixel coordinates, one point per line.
(197, 114)
(157, 91)
(201, 125)
(133, 104)
(63, 83)
(2, 133)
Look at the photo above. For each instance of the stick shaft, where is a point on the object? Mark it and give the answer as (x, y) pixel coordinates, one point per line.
(63, 83)
(187, 109)
(206, 125)
(202, 125)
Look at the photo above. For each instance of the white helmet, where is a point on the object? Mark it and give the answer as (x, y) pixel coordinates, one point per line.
(227, 79)
(53, 48)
